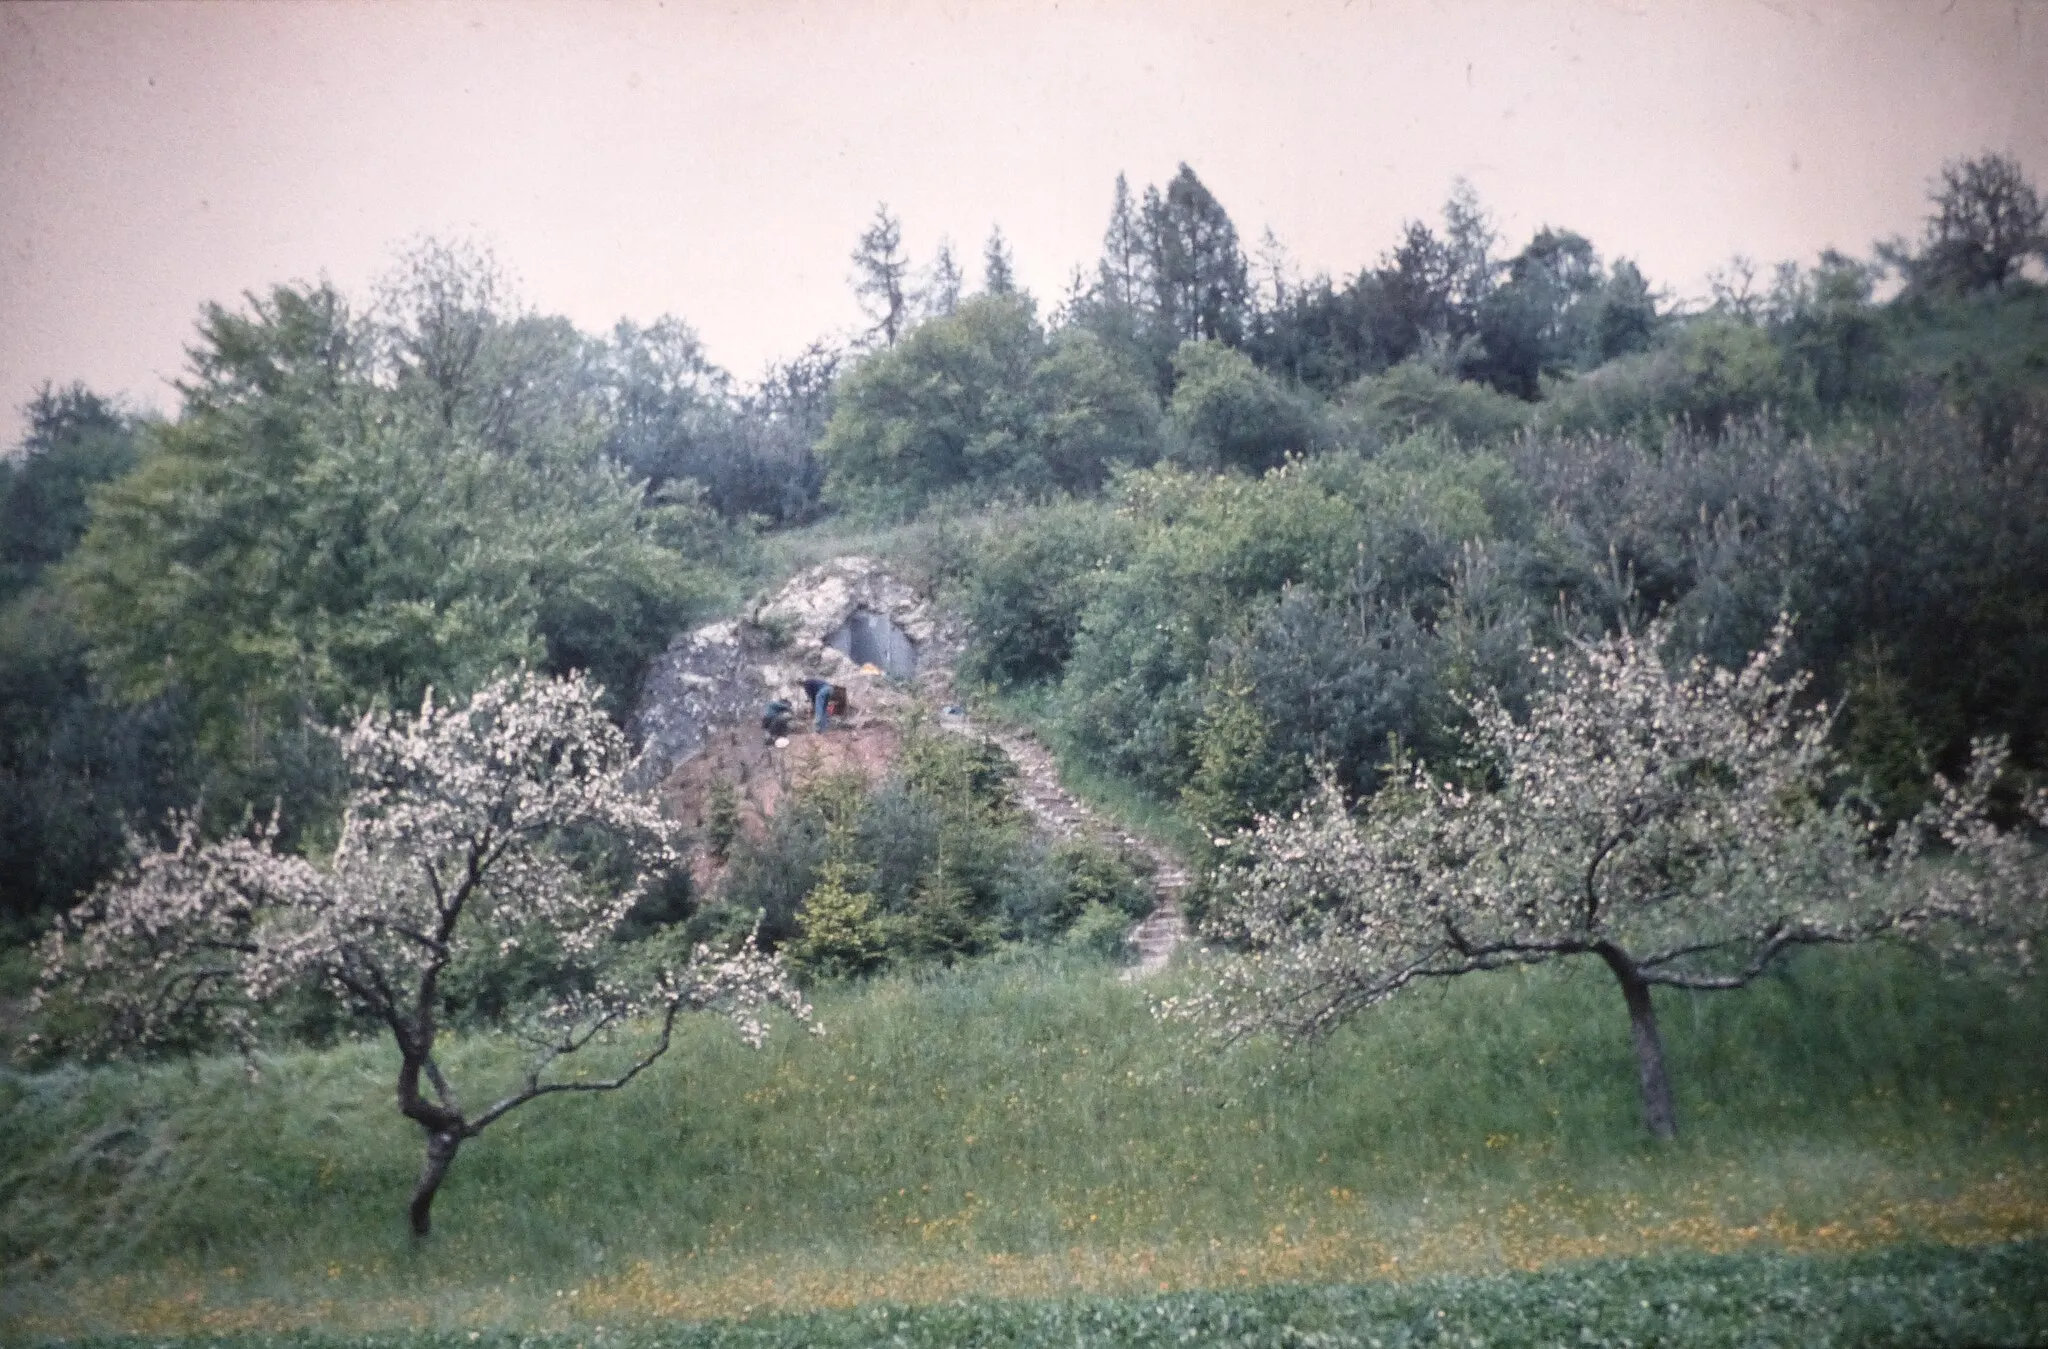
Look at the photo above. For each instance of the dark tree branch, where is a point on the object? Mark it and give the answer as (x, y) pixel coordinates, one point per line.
(535, 1088)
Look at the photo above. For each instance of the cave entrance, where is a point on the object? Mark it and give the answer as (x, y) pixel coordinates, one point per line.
(869, 638)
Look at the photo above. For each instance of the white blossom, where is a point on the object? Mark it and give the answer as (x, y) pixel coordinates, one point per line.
(454, 847)
(1678, 823)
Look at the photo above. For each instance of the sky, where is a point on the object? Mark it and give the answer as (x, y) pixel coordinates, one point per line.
(718, 162)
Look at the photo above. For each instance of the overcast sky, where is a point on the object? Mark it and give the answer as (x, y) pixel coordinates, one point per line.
(717, 161)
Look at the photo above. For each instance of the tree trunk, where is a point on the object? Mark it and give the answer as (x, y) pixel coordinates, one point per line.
(441, 1146)
(1660, 1116)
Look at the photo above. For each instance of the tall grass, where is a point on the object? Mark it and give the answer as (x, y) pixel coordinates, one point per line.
(1028, 1128)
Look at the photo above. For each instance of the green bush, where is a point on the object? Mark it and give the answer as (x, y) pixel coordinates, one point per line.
(770, 875)
(838, 934)
(1414, 399)
(1203, 549)
(1713, 373)
(1031, 575)
(1101, 930)
(1260, 624)
(933, 863)
(1093, 876)
(1226, 413)
(978, 402)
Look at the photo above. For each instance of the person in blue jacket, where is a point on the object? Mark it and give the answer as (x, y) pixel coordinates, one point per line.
(819, 691)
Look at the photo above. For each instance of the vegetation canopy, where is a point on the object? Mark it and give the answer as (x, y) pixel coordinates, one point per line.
(1425, 617)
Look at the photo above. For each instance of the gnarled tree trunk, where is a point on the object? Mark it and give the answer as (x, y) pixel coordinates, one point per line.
(441, 1147)
(443, 1122)
(1660, 1116)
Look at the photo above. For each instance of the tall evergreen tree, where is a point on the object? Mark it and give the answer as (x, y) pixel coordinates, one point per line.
(1469, 240)
(1110, 305)
(998, 273)
(939, 295)
(880, 271)
(1120, 276)
(1197, 274)
(75, 440)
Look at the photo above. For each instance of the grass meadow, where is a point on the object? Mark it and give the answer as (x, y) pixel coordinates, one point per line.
(1023, 1130)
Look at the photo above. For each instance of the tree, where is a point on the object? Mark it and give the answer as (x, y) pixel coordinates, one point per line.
(1120, 275)
(998, 272)
(979, 398)
(1987, 222)
(669, 409)
(1277, 280)
(1469, 239)
(948, 405)
(1735, 291)
(1833, 336)
(438, 306)
(1626, 317)
(880, 268)
(468, 839)
(776, 473)
(456, 347)
(1540, 320)
(1112, 305)
(1195, 269)
(1229, 414)
(1425, 296)
(306, 540)
(939, 293)
(76, 771)
(1984, 904)
(1093, 411)
(1673, 823)
(1406, 303)
(838, 931)
(75, 440)
(296, 345)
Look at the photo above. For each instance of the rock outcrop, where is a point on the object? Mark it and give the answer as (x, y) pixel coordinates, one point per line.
(699, 718)
(720, 677)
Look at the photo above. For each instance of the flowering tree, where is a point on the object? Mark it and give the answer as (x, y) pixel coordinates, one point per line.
(1982, 901)
(1670, 822)
(467, 836)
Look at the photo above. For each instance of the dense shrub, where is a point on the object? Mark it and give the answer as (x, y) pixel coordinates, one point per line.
(1031, 576)
(1413, 398)
(1226, 413)
(1317, 679)
(1715, 372)
(78, 772)
(931, 864)
(1259, 625)
(1203, 549)
(979, 400)
(1910, 555)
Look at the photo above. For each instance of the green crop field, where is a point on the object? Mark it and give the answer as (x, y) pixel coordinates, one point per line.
(1913, 1297)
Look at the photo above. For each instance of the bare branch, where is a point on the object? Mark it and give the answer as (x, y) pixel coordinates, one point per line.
(535, 1088)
